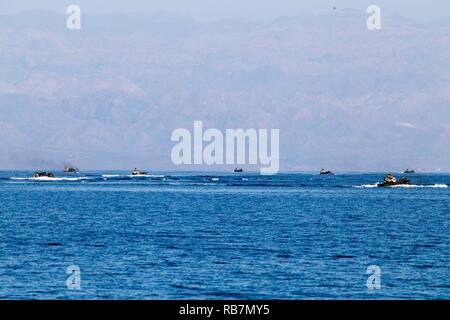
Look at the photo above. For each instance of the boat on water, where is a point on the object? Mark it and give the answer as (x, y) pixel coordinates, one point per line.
(409, 171)
(324, 172)
(70, 170)
(238, 170)
(43, 174)
(137, 172)
(390, 180)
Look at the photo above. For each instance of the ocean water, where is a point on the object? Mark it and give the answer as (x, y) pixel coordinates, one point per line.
(223, 236)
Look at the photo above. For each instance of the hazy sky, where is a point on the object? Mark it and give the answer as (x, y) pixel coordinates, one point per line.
(252, 9)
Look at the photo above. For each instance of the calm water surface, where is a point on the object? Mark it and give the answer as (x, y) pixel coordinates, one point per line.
(217, 236)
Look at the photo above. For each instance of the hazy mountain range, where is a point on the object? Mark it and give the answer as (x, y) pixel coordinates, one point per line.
(108, 96)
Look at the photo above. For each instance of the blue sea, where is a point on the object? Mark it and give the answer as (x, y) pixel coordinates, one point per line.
(223, 236)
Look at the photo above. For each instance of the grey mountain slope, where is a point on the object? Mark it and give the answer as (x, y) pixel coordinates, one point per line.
(111, 94)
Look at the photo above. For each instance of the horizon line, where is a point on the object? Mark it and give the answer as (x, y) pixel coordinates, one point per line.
(228, 171)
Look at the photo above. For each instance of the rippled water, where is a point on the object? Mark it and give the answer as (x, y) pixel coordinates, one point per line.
(214, 236)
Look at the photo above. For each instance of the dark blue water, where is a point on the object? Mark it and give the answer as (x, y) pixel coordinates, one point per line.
(216, 236)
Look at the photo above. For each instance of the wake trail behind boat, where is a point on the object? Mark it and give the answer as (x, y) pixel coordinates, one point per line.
(50, 179)
(133, 176)
(404, 186)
